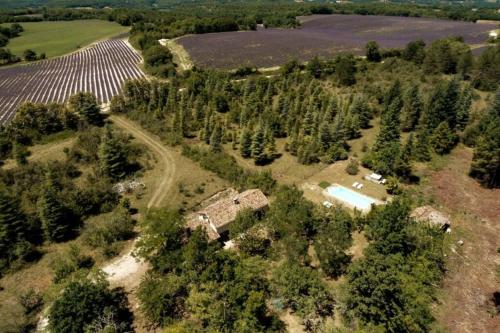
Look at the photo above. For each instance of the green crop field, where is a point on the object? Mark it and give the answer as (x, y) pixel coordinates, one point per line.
(62, 37)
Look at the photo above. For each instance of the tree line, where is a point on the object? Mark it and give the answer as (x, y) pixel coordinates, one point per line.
(7, 33)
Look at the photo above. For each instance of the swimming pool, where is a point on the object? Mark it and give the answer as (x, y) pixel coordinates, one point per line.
(351, 198)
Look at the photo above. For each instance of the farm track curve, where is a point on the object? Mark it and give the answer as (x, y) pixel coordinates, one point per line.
(100, 69)
(157, 147)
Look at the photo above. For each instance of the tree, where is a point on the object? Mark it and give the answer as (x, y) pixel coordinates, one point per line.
(162, 298)
(302, 291)
(4, 40)
(244, 220)
(29, 55)
(412, 108)
(485, 166)
(390, 126)
(113, 161)
(84, 302)
(422, 147)
(324, 136)
(345, 69)
(414, 51)
(465, 63)
(314, 67)
(360, 107)
(258, 146)
(464, 104)
(486, 75)
(443, 139)
(85, 105)
(216, 139)
(57, 222)
(352, 167)
(246, 143)
(373, 52)
(333, 239)
(13, 229)
(161, 240)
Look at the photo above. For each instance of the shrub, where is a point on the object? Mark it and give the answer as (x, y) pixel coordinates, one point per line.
(31, 300)
(352, 167)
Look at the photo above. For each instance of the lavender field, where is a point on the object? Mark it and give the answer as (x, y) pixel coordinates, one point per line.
(100, 69)
(323, 35)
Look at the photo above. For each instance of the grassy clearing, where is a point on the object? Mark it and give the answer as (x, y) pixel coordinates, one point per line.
(62, 37)
(285, 169)
(54, 150)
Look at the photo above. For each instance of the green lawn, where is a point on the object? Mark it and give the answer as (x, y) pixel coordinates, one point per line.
(62, 37)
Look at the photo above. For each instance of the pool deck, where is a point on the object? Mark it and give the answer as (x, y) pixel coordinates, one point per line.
(347, 203)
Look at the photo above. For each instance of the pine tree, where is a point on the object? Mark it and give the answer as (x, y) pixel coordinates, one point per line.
(435, 111)
(324, 136)
(422, 147)
(360, 107)
(308, 122)
(56, 221)
(85, 104)
(465, 63)
(246, 143)
(412, 108)
(390, 126)
(351, 125)
(207, 129)
(443, 139)
(393, 95)
(373, 52)
(485, 166)
(452, 97)
(345, 69)
(258, 146)
(408, 148)
(112, 155)
(464, 108)
(216, 139)
(13, 228)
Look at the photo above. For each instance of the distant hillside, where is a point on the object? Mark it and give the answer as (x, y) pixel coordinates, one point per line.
(9, 4)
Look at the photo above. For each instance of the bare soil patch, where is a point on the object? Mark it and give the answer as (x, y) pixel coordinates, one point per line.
(472, 279)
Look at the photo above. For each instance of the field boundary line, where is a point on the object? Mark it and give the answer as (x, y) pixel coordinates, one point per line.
(180, 54)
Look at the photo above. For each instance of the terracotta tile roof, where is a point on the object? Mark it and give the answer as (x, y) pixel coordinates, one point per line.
(218, 215)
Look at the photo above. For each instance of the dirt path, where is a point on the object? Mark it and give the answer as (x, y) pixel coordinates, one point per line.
(126, 271)
(157, 147)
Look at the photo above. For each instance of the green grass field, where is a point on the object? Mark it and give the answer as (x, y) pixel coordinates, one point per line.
(62, 37)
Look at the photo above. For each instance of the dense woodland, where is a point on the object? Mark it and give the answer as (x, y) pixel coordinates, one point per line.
(319, 107)
(419, 99)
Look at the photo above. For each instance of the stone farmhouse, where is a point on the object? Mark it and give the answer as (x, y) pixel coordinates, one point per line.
(217, 216)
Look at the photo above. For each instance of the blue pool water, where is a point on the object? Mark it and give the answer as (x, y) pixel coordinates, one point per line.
(352, 198)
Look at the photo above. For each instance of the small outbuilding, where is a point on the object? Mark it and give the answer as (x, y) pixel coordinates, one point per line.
(428, 214)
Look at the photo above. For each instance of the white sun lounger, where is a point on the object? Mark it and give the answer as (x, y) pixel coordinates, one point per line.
(359, 187)
(355, 184)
